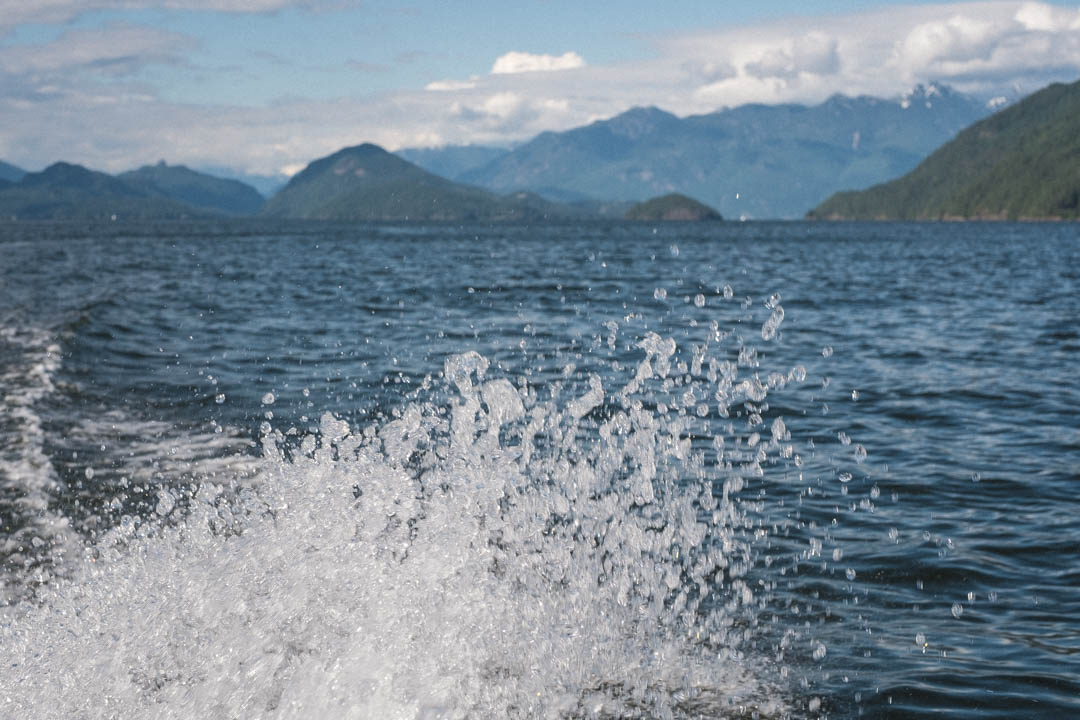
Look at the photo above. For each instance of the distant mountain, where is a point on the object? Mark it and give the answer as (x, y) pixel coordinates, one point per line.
(451, 161)
(368, 183)
(760, 161)
(1023, 162)
(10, 172)
(265, 185)
(199, 190)
(64, 191)
(672, 207)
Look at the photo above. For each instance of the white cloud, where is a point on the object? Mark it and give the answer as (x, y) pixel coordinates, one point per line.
(450, 85)
(522, 62)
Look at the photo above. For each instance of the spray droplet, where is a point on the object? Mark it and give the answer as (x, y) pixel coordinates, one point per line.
(845, 477)
(826, 351)
(772, 323)
(854, 395)
(219, 398)
(837, 554)
(674, 249)
(268, 399)
(860, 454)
(699, 300)
(728, 292)
(659, 294)
(89, 473)
(976, 477)
(819, 651)
(850, 573)
(773, 301)
(957, 610)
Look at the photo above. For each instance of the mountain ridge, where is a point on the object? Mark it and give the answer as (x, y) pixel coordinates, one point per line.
(752, 160)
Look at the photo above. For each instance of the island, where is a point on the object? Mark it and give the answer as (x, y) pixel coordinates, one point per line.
(672, 207)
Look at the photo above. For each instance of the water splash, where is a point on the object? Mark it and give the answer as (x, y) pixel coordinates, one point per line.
(482, 553)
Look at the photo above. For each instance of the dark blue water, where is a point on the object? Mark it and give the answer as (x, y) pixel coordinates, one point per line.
(907, 538)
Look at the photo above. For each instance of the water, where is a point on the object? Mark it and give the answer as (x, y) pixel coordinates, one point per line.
(772, 470)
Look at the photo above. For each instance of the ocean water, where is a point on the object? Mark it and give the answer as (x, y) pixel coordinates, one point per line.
(602, 470)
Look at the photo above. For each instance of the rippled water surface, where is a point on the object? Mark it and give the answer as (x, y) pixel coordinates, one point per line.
(773, 470)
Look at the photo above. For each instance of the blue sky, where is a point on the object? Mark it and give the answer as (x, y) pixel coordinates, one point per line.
(265, 86)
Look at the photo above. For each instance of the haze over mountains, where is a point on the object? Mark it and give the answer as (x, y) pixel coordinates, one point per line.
(752, 161)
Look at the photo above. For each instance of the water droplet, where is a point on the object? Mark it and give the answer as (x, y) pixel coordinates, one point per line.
(875, 492)
(219, 398)
(971, 597)
(306, 392)
(850, 572)
(728, 292)
(264, 428)
(860, 454)
(674, 250)
(854, 395)
(268, 398)
(837, 554)
(89, 473)
(819, 651)
(166, 503)
(699, 300)
(772, 323)
(976, 477)
(826, 351)
(798, 373)
(659, 294)
(815, 703)
(957, 610)
(773, 301)
(845, 477)
(843, 438)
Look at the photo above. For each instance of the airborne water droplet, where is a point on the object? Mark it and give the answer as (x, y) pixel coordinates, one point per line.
(819, 651)
(268, 398)
(957, 610)
(860, 454)
(659, 294)
(826, 351)
(850, 572)
(699, 300)
(728, 292)
(89, 473)
(219, 398)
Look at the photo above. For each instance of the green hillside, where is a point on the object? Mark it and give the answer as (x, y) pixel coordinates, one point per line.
(197, 189)
(369, 184)
(64, 191)
(1022, 163)
(672, 207)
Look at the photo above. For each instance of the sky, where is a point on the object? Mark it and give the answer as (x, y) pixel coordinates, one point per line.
(265, 86)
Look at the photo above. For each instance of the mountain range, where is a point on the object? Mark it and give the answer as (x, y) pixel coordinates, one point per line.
(1022, 163)
(752, 161)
